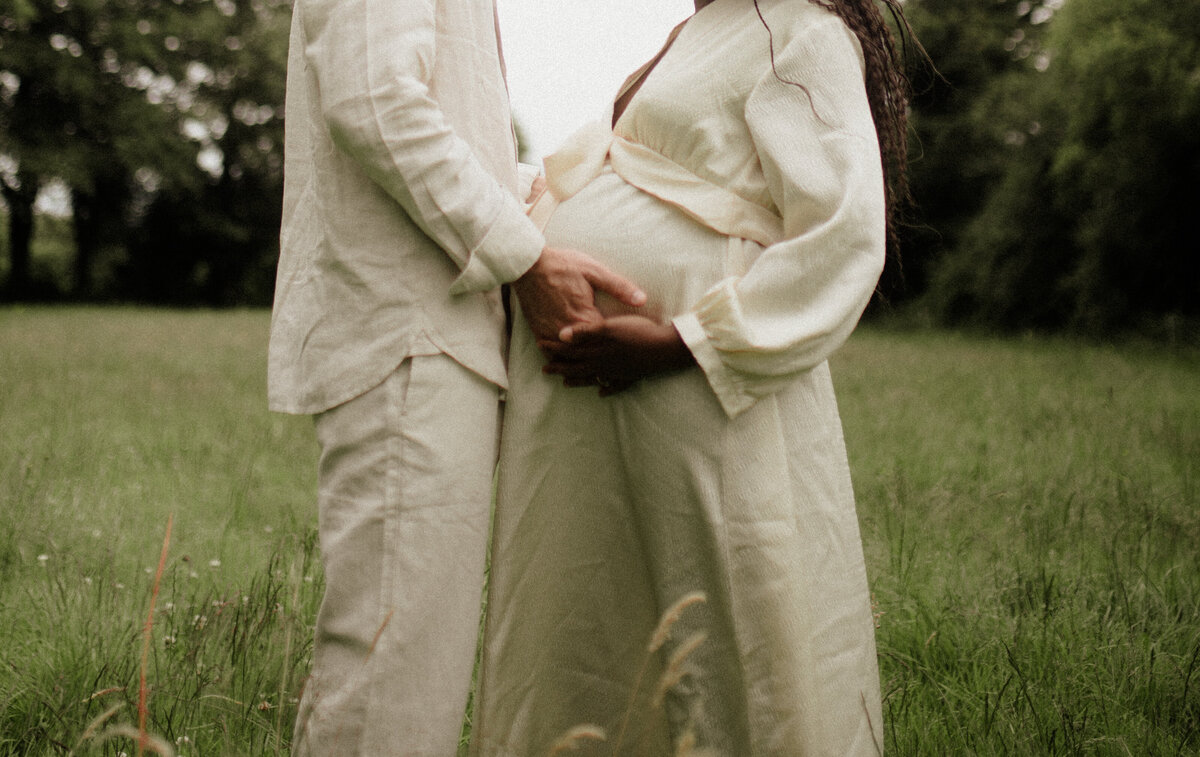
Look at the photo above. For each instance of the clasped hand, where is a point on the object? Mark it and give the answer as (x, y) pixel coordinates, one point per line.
(557, 297)
(614, 353)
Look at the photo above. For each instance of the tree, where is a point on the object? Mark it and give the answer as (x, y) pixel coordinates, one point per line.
(956, 148)
(19, 190)
(136, 104)
(215, 239)
(19, 185)
(1129, 158)
(83, 80)
(1089, 225)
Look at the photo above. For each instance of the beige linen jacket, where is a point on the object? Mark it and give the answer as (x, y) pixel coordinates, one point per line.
(400, 212)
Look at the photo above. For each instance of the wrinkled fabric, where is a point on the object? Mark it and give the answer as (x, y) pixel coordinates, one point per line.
(405, 482)
(730, 478)
(400, 215)
(794, 171)
(596, 147)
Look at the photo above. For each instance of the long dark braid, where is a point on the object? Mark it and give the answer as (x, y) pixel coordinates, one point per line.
(887, 92)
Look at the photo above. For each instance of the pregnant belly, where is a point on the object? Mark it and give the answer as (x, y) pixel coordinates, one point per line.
(672, 257)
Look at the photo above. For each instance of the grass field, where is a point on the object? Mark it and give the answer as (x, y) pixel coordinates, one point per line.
(1029, 511)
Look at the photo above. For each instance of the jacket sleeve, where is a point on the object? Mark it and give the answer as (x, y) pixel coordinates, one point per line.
(802, 296)
(373, 60)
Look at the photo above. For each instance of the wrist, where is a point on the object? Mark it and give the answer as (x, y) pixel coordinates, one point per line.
(531, 269)
(676, 354)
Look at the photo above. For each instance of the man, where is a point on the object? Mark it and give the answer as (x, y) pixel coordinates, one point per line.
(400, 224)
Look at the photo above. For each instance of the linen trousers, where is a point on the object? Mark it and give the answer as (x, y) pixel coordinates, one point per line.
(404, 488)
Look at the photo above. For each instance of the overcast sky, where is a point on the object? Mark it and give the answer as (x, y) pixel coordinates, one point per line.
(566, 58)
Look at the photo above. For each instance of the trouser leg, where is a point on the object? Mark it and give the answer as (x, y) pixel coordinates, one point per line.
(404, 488)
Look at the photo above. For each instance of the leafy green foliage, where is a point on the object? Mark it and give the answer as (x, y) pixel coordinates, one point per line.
(1067, 203)
(1129, 159)
(149, 109)
(954, 146)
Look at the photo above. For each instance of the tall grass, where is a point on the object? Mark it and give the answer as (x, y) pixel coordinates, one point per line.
(109, 421)
(1031, 519)
(1029, 512)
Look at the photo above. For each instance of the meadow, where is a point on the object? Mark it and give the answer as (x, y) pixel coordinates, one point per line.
(1029, 512)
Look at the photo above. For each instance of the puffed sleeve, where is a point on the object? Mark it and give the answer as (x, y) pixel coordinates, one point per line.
(802, 296)
(373, 60)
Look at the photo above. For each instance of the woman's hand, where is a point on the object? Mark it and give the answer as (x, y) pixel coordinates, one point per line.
(615, 353)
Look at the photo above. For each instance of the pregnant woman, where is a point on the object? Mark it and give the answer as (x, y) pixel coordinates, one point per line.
(741, 183)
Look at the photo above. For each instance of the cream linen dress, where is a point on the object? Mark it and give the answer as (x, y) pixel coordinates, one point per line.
(751, 210)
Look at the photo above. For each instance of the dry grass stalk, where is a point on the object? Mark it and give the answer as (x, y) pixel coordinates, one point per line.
(867, 711)
(379, 634)
(687, 746)
(143, 691)
(155, 744)
(94, 726)
(571, 739)
(661, 633)
(676, 666)
(671, 617)
(102, 692)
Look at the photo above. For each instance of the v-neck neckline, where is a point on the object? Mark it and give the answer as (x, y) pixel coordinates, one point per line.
(638, 78)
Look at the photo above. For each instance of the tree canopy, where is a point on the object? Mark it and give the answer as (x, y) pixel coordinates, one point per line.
(1059, 177)
(163, 118)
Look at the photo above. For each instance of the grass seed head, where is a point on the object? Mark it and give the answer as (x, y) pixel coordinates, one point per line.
(687, 746)
(676, 669)
(671, 617)
(570, 740)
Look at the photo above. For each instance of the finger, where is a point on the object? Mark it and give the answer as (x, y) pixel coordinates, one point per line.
(536, 188)
(619, 287)
(552, 347)
(541, 328)
(578, 333)
(576, 348)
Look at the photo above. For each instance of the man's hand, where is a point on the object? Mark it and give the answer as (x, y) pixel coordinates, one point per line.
(615, 353)
(560, 291)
